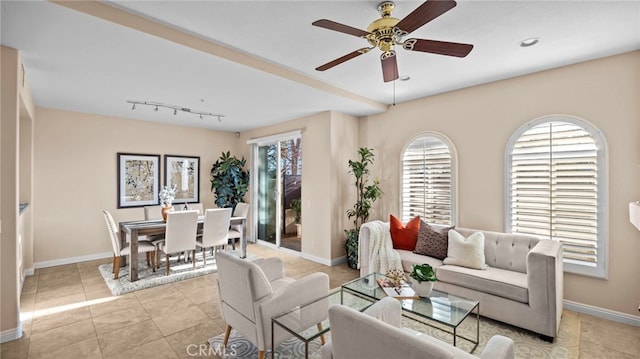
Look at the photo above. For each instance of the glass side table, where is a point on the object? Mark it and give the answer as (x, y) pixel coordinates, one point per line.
(311, 321)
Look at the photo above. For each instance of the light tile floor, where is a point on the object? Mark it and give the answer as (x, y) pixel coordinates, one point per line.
(68, 311)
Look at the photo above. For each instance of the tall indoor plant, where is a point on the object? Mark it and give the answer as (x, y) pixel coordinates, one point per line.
(366, 194)
(229, 180)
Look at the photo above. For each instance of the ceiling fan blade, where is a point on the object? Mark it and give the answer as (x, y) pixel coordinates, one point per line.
(426, 12)
(342, 59)
(389, 66)
(346, 29)
(438, 47)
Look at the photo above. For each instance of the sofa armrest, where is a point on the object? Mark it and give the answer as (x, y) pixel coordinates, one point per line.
(545, 280)
(364, 248)
(272, 267)
(498, 347)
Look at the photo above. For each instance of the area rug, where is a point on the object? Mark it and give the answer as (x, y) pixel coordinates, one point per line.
(147, 278)
(527, 344)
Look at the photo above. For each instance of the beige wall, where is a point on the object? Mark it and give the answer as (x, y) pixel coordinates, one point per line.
(327, 139)
(75, 174)
(344, 147)
(480, 120)
(15, 159)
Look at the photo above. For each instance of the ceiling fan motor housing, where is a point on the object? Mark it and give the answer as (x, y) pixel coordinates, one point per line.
(382, 34)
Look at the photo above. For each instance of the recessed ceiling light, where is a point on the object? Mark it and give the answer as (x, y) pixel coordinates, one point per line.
(529, 42)
(404, 78)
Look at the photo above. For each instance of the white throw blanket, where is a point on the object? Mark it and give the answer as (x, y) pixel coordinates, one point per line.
(382, 256)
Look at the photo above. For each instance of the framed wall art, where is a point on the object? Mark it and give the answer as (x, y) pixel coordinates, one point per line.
(138, 180)
(184, 172)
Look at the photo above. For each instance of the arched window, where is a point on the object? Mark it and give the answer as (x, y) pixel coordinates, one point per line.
(428, 179)
(556, 188)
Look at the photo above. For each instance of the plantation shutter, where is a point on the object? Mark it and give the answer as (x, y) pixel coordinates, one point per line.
(554, 194)
(426, 181)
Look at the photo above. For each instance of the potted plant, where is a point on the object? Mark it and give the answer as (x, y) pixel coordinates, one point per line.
(229, 180)
(296, 207)
(366, 194)
(423, 276)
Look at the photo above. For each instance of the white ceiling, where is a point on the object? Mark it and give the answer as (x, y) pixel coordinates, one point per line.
(79, 62)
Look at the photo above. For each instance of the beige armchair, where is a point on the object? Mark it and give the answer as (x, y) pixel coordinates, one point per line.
(252, 292)
(376, 333)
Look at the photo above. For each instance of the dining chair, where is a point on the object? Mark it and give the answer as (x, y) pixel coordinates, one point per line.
(143, 247)
(235, 231)
(190, 207)
(215, 231)
(180, 235)
(152, 212)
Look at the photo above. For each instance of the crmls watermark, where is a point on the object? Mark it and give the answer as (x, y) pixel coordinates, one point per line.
(196, 350)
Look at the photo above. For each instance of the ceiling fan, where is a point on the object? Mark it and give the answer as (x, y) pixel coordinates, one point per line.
(388, 31)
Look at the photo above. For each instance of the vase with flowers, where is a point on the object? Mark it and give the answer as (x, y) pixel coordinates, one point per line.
(167, 195)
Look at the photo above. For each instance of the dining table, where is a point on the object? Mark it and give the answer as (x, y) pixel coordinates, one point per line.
(134, 229)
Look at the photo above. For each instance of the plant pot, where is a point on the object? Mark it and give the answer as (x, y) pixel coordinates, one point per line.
(165, 210)
(298, 230)
(352, 262)
(423, 288)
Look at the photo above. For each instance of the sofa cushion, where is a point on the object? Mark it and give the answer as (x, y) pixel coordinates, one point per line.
(466, 252)
(499, 282)
(404, 237)
(409, 259)
(432, 242)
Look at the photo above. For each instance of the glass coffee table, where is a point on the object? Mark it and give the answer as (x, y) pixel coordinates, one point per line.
(309, 322)
(443, 308)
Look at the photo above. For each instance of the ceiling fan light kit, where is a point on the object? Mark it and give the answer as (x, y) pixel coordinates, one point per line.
(387, 31)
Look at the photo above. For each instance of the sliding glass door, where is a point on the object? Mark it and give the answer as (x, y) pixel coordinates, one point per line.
(277, 189)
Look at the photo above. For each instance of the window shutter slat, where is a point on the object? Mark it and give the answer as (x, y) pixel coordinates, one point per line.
(427, 181)
(554, 183)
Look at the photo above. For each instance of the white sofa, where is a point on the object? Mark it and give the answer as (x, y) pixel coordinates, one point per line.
(377, 333)
(523, 285)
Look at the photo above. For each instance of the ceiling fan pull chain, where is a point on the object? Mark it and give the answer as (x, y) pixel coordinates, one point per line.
(394, 92)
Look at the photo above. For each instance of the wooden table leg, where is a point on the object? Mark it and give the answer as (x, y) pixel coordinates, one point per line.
(133, 265)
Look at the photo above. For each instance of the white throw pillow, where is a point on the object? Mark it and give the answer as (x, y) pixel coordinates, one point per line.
(466, 252)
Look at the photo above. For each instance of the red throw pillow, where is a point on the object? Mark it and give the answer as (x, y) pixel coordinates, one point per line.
(404, 237)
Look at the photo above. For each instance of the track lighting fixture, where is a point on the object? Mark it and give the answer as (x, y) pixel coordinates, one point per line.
(175, 109)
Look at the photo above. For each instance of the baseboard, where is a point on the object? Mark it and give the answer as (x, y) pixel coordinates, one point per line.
(602, 313)
(316, 259)
(29, 271)
(11, 334)
(339, 260)
(70, 260)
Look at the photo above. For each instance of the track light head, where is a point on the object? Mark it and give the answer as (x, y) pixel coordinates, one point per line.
(133, 107)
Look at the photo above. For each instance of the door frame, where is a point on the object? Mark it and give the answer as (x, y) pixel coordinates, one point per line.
(253, 222)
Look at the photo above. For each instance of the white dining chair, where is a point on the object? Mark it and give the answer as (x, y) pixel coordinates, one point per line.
(180, 235)
(190, 207)
(118, 250)
(215, 231)
(235, 231)
(153, 212)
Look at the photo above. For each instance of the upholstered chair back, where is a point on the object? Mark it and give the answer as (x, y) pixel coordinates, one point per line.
(215, 231)
(152, 212)
(181, 231)
(113, 232)
(241, 284)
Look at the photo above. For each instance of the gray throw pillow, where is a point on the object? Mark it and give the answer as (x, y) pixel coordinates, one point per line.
(431, 242)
